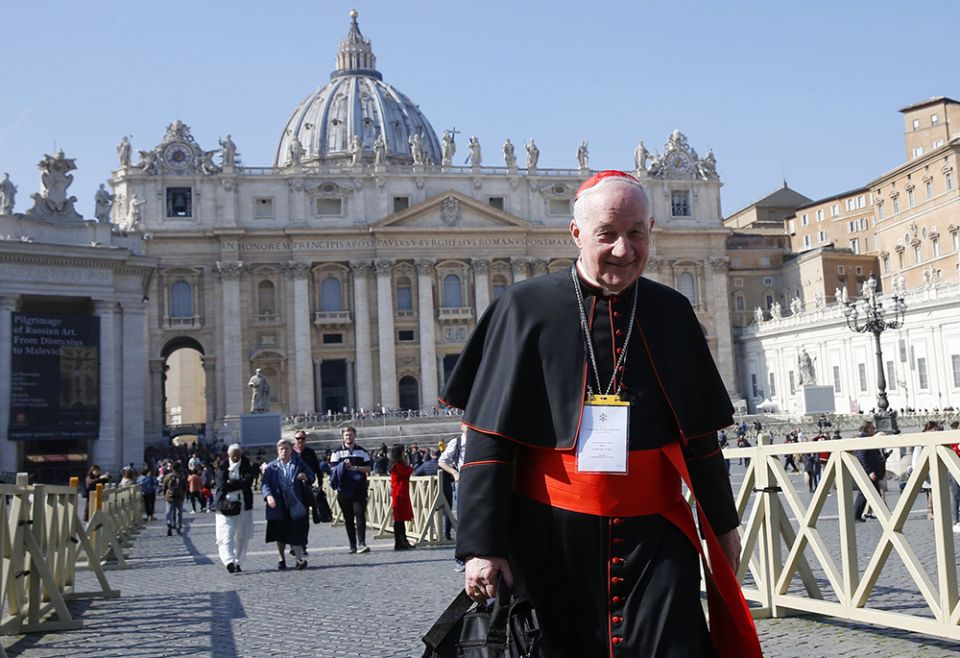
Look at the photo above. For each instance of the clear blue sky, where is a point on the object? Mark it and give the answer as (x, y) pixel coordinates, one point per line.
(805, 90)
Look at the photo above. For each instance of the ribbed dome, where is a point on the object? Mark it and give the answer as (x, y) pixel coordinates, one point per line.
(356, 101)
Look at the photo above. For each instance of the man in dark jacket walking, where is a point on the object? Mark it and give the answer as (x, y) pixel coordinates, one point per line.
(872, 462)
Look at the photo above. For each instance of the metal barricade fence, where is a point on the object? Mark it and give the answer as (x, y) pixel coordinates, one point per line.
(43, 540)
(788, 565)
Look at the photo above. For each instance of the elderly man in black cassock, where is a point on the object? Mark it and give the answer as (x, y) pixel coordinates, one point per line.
(590, 394)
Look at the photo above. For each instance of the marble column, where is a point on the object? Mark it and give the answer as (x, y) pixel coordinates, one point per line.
(234, 384)
(155, 405)
(481, 285)
(301, 398)
(210, 387)
(318, 387)
(104, 448)
(8, 453)
(428, 340)
(387, 337)
(361, 319)
(134, 386)
(351, 384)
(519, 266)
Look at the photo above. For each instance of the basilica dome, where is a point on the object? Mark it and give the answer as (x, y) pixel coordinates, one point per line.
(356, 102)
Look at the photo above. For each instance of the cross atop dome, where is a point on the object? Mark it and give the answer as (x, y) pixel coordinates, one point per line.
(356, 56)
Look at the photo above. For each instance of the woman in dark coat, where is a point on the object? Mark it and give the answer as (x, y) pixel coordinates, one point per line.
(282, 488)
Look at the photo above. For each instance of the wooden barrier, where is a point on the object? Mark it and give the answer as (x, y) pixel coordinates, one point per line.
(791, 567)
(42, 541)
(429, 508)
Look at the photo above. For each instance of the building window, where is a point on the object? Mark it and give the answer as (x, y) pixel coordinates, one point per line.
(917, 151)
(929, 189)
(768, 300)
(263, 208)
(768, 281)
(560, 207)
(911, 198)
(773, 385)
(938, 143)
(332, 339)
(266, 298)
(680, 203)
(820, 215)
(859, 269)
(404, 294)
(400, 203)
(181, 300)
(806, 241)
(499, 284)
(916, 254)
(886, 264)
(753, 385)
(880, 210)
(916, 124)
(948, 181)
(179, 202)
(329, 207)
(687, 286)
(452, 291)
(855, 246)
(834, 212)
(862, 375)
(406, 336)
(409, 390)
(891, 377)
(739, 302)
(841, 269)
(922, 372)
(936, 247)
(738, 282)
(331, 299)
(792, 382)
(804, 220)
(836, 379)
(896, 204)
(821, 236)
(933, 119)
(496, 202)
(956, 240)
(955, 360)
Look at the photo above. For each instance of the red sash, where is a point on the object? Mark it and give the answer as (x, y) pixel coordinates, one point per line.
(551, 477)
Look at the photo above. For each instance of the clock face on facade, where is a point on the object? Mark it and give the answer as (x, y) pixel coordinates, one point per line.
(676, 161)
(178, 155)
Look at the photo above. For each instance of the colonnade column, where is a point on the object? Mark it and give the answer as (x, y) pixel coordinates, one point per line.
(361, 319)
(428, 341)
(519, 267)
(104, 449)
(210, 386)
(8, 455)
(385, 329)
(481, 285)
(302, 398)
(155, 405)
(233, 380)
(318, 386)
(134, 387)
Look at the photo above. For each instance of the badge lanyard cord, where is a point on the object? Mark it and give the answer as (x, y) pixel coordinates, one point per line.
(588, 341)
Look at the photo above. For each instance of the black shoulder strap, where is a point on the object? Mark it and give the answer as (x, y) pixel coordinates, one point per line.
(447, 620)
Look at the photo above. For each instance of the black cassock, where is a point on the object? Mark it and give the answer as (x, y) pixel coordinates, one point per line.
(601, 585)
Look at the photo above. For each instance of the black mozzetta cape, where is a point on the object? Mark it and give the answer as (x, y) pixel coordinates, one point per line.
(523, 373)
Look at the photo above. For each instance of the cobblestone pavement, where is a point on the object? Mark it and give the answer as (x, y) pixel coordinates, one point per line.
(178, 600)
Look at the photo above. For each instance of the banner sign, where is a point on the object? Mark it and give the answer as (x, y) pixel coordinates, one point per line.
(55, 377)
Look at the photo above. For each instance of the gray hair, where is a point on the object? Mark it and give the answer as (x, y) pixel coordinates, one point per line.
(284, 439)
(579, 205)
(234, 447)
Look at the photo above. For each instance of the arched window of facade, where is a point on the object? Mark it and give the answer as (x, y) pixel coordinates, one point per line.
(499, 285)
(331, 298)
(687, 286)
(181, 300)
(266, 298)
(452, 291)
(404, 294)
(409, 393)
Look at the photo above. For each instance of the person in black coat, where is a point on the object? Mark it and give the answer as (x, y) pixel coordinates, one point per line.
(233, 503)
(872, 462)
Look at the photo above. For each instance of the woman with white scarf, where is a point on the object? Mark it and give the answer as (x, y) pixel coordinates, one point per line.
(234, 506)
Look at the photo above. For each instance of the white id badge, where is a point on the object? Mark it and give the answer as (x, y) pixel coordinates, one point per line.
(602, 444)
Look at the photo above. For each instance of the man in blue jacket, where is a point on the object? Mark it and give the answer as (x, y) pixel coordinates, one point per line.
(351, 465)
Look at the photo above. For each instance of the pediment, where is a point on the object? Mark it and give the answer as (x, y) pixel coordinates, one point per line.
(451, 210)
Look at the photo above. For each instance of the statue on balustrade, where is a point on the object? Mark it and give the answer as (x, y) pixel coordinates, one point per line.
(449, 148)
(103, 203)
(509, 155)
(533, 154)
(475, 157)
(583, 156)
(379, 150)
(229, 151)
(8, 194)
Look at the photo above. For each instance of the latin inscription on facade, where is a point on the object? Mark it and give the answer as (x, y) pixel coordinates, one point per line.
(493, 242)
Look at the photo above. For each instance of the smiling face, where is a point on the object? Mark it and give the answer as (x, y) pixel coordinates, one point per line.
(614, 235)
(349, 438)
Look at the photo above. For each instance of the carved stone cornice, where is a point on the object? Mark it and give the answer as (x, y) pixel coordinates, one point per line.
(9, 303)
(297, 269)
(539, 266)
(654, 263)
(104, 306)
(481, 266)
(229, 270)
(360, 267)
(720, 263)
(425, 267)
(384, 266)
(519, 264)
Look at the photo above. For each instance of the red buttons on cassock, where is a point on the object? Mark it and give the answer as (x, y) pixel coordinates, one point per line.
(619, 368)
(614, 300)
(617, 521)
(616, 599)
(616, 620)
(619, 350)
(616, 640)
(618, 332)
(616, 314)
(616, 581)
(618, 540)
(617, 560)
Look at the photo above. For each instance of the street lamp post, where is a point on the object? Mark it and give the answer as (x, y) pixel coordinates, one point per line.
(869, 316)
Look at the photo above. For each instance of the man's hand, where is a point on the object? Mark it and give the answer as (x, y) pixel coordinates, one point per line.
(271, 501)
(482, 574)
(730, 542)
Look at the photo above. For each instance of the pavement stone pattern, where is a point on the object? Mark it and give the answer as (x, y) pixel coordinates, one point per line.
(178, 600)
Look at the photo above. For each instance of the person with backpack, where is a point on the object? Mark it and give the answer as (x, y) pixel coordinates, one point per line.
(174, 491)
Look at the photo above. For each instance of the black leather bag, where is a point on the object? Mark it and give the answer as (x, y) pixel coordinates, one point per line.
(321, 508)
(231, 507)
(506, 629)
